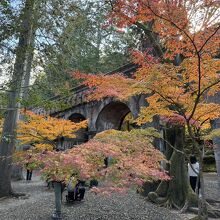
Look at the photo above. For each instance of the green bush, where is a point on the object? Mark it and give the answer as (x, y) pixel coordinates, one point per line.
(209, 159)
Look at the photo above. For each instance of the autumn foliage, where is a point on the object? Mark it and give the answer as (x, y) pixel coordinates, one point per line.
(42, 131)
(168, 88)
(183, 25)
(178, 70)
(187, 28)
(134, 160)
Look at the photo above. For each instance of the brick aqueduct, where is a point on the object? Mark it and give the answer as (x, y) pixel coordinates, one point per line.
(105, 114)
(101, 115)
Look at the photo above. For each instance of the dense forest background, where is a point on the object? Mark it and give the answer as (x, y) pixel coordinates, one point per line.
(65, 36)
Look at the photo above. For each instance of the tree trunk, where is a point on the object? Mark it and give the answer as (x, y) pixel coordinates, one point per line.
(17, 173)
(177, 191)
(8, 138)
(216, 142)
(202, 212)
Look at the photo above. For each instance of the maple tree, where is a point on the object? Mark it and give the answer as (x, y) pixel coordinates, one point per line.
(131, 151)
(44, 132)
(134, 160)
(178, 89)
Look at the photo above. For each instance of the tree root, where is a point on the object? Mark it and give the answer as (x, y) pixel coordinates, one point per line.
(162, 201)
(17, 194)
(3, 198)
(185, 208)
(212, 212)
(168, 204)
(212, 201)
(190, 204)
(153, 197)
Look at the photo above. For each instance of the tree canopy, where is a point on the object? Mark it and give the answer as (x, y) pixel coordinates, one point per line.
(179, 72)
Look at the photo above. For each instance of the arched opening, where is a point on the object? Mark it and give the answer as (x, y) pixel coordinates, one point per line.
(112, 116)
(76, 117)
(81, 134)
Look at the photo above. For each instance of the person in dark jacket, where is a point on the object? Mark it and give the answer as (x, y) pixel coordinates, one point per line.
(29, 170)
(77, 192)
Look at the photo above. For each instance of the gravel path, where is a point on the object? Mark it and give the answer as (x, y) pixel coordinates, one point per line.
(40, 205)
(212, 187)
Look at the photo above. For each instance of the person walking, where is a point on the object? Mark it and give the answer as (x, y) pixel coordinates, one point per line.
(29, 170)
(193, 172)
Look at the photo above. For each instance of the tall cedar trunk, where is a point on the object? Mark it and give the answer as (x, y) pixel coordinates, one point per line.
(17, 173)
(175, 192)
(8, 138)
(98, 43)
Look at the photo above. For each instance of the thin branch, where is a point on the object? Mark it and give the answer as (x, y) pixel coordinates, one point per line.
(171, 101)
(151, 36)
(209, 38)
(210, 86)
(205, 121)
(199, 88)
(8, 48)
(174, 24)
(42, 138)
(8, 109)
(167, 142)
(199, 94)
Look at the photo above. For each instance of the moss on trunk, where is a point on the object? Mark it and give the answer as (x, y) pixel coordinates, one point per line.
(177, 191)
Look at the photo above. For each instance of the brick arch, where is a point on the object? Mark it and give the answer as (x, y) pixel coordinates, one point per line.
(111, 116)
(82, 134)
(76, 117)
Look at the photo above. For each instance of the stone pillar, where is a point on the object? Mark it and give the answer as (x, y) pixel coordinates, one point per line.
(57, 190)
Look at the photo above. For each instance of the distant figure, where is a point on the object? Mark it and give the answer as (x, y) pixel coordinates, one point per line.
(79, 190)
(29, 174)
(29, 171)
(193, 171)
(106, 160)
(93, 182)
